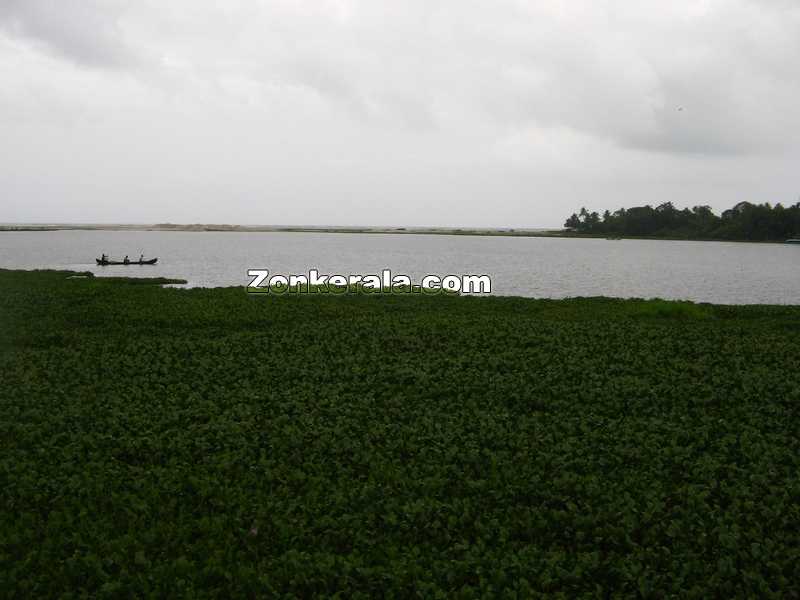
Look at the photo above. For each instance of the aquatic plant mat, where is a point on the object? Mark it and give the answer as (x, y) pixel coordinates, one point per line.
(210, 443)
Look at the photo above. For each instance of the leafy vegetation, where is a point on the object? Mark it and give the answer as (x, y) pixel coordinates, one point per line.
(173, 442)
(745, 221)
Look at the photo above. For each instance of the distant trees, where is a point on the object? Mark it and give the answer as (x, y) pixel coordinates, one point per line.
(573, 222)
(745, 221)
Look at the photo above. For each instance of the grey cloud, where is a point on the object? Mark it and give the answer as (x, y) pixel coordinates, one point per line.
(84, 31)
(611, 69)
(724, 81)
(602, 68)
(291, 106)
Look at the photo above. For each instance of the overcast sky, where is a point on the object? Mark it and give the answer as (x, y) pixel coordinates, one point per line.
(408, 112)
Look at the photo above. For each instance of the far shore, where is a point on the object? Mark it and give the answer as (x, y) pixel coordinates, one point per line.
(506, 232)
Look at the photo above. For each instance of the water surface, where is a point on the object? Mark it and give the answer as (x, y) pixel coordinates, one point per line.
(719, 272)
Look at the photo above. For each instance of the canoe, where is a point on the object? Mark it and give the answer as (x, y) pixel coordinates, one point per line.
(103, 263)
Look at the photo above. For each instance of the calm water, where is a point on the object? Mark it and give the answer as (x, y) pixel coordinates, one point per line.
(725, 273)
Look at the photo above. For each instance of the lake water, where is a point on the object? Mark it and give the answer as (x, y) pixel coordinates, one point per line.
(719, 272)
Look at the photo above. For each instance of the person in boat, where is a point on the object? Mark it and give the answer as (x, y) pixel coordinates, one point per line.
(125, 260)
(103, 258)
(141, 258)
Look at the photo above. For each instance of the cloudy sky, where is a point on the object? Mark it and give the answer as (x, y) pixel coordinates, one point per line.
(408, 112)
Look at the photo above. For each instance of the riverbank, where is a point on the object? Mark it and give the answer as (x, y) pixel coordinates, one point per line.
(174, 442)
(199, 227)
(468, 231)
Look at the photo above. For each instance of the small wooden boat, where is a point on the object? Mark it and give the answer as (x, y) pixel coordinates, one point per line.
(106, 262)
(793, 241)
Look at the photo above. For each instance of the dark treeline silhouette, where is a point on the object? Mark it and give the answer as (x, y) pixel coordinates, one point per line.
(745, 221)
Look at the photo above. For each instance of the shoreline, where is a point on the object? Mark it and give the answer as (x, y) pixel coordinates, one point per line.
(465, 231)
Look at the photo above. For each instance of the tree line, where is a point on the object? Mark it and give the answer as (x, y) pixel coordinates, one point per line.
(745, 221)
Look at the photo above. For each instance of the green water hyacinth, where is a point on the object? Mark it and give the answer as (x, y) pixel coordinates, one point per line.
(167, 442)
